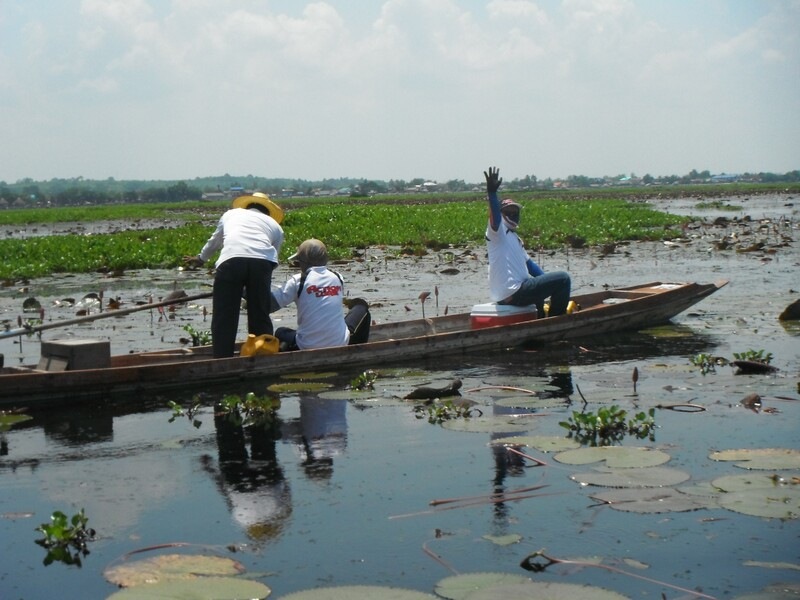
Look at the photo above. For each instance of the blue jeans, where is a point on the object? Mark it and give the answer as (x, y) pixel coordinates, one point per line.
(534, 290)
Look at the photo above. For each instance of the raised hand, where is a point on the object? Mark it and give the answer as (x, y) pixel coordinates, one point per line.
(493, 180)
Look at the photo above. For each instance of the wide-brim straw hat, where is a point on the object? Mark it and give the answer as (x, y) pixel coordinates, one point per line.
(275, 211)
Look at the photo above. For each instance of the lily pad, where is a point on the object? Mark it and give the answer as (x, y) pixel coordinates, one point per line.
(775, 591)
(761, 458)
(653, 500)
(543, 443)
(777, 503)
(504, 540)
(309, 375)
(772, 565)
(374, 401)
(8, 421)
(700, 488)
(529, 401)
(669, 331)
(201, 588)
(747, 481)
(458, 587)
(300, 386)
(491, 424)
(541, 590)
(356, 395)
(358, 592)
(632, 478)
(170, 567)
(615, 456)
(497, 387)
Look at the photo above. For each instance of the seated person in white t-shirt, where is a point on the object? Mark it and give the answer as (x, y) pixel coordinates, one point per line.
(319, 295)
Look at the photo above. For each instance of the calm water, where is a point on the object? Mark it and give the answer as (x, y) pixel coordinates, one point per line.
(337, 490)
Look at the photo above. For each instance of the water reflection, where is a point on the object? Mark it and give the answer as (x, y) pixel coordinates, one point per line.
(320, 434)
(512, 464)
(253, 482)
(76, 429)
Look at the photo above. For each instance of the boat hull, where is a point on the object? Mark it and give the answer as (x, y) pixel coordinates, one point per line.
(600, 313)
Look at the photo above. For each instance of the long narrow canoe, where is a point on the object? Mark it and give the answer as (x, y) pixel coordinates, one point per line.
(600, 313)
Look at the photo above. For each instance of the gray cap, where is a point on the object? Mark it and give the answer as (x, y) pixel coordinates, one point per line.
(311, 253)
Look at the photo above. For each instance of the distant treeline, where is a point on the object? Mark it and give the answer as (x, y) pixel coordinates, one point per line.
(78, 191)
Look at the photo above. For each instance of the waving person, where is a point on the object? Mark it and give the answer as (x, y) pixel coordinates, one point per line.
(514, 278)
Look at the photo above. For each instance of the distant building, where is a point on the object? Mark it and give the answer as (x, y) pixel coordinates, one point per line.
(724, 178)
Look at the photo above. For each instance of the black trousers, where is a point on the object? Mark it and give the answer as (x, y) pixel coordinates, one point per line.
(232, 278)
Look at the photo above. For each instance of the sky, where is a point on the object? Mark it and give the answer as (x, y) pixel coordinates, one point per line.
(397, 89)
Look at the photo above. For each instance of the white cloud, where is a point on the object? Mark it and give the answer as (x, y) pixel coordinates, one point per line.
(398, 89)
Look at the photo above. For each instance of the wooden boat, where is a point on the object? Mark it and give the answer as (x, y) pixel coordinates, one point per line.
(601, 312)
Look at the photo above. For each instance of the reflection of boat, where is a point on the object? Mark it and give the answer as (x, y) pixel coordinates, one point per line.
(98, 375)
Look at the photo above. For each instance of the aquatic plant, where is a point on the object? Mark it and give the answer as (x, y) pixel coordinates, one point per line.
(418, 226)
(250, 410)
(439, 412)
(365, 381)
(199, 338)
(754, 356)
(609, 424)
(706, 362)
(178, 411)
(66, 538)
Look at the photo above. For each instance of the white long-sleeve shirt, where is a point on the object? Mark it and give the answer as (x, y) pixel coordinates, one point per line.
(320, 312)
(244, 233)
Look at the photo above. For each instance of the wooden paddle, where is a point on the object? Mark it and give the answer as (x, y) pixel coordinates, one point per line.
(102, 315)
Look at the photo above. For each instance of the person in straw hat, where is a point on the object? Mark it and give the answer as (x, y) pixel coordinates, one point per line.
(250, 236)
(514, 278)
(319, 294)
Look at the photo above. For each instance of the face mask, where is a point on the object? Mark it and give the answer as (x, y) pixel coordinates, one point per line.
(512, 225)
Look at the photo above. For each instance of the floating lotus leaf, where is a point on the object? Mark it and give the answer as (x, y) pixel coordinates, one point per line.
(169, 567)
(700, 488)
(358, 592)
(357, 395)
(300, 386)
(761, 458)
(310, 375)
(653, 500)
(775, 591)
(529, 401)
(772, 565)
(669, 331)
(777, 503)
(542, 443)
(635, 564)
(540, 590)
(747, 481)
(463, 586)
(8, 421)
(504, 386)
(622, 457)
(504, 540)
(374, 400)
(490, 424)
(200, 588)
(632, 478)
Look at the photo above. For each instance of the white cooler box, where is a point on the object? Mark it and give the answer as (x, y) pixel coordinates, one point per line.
(491, 314)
